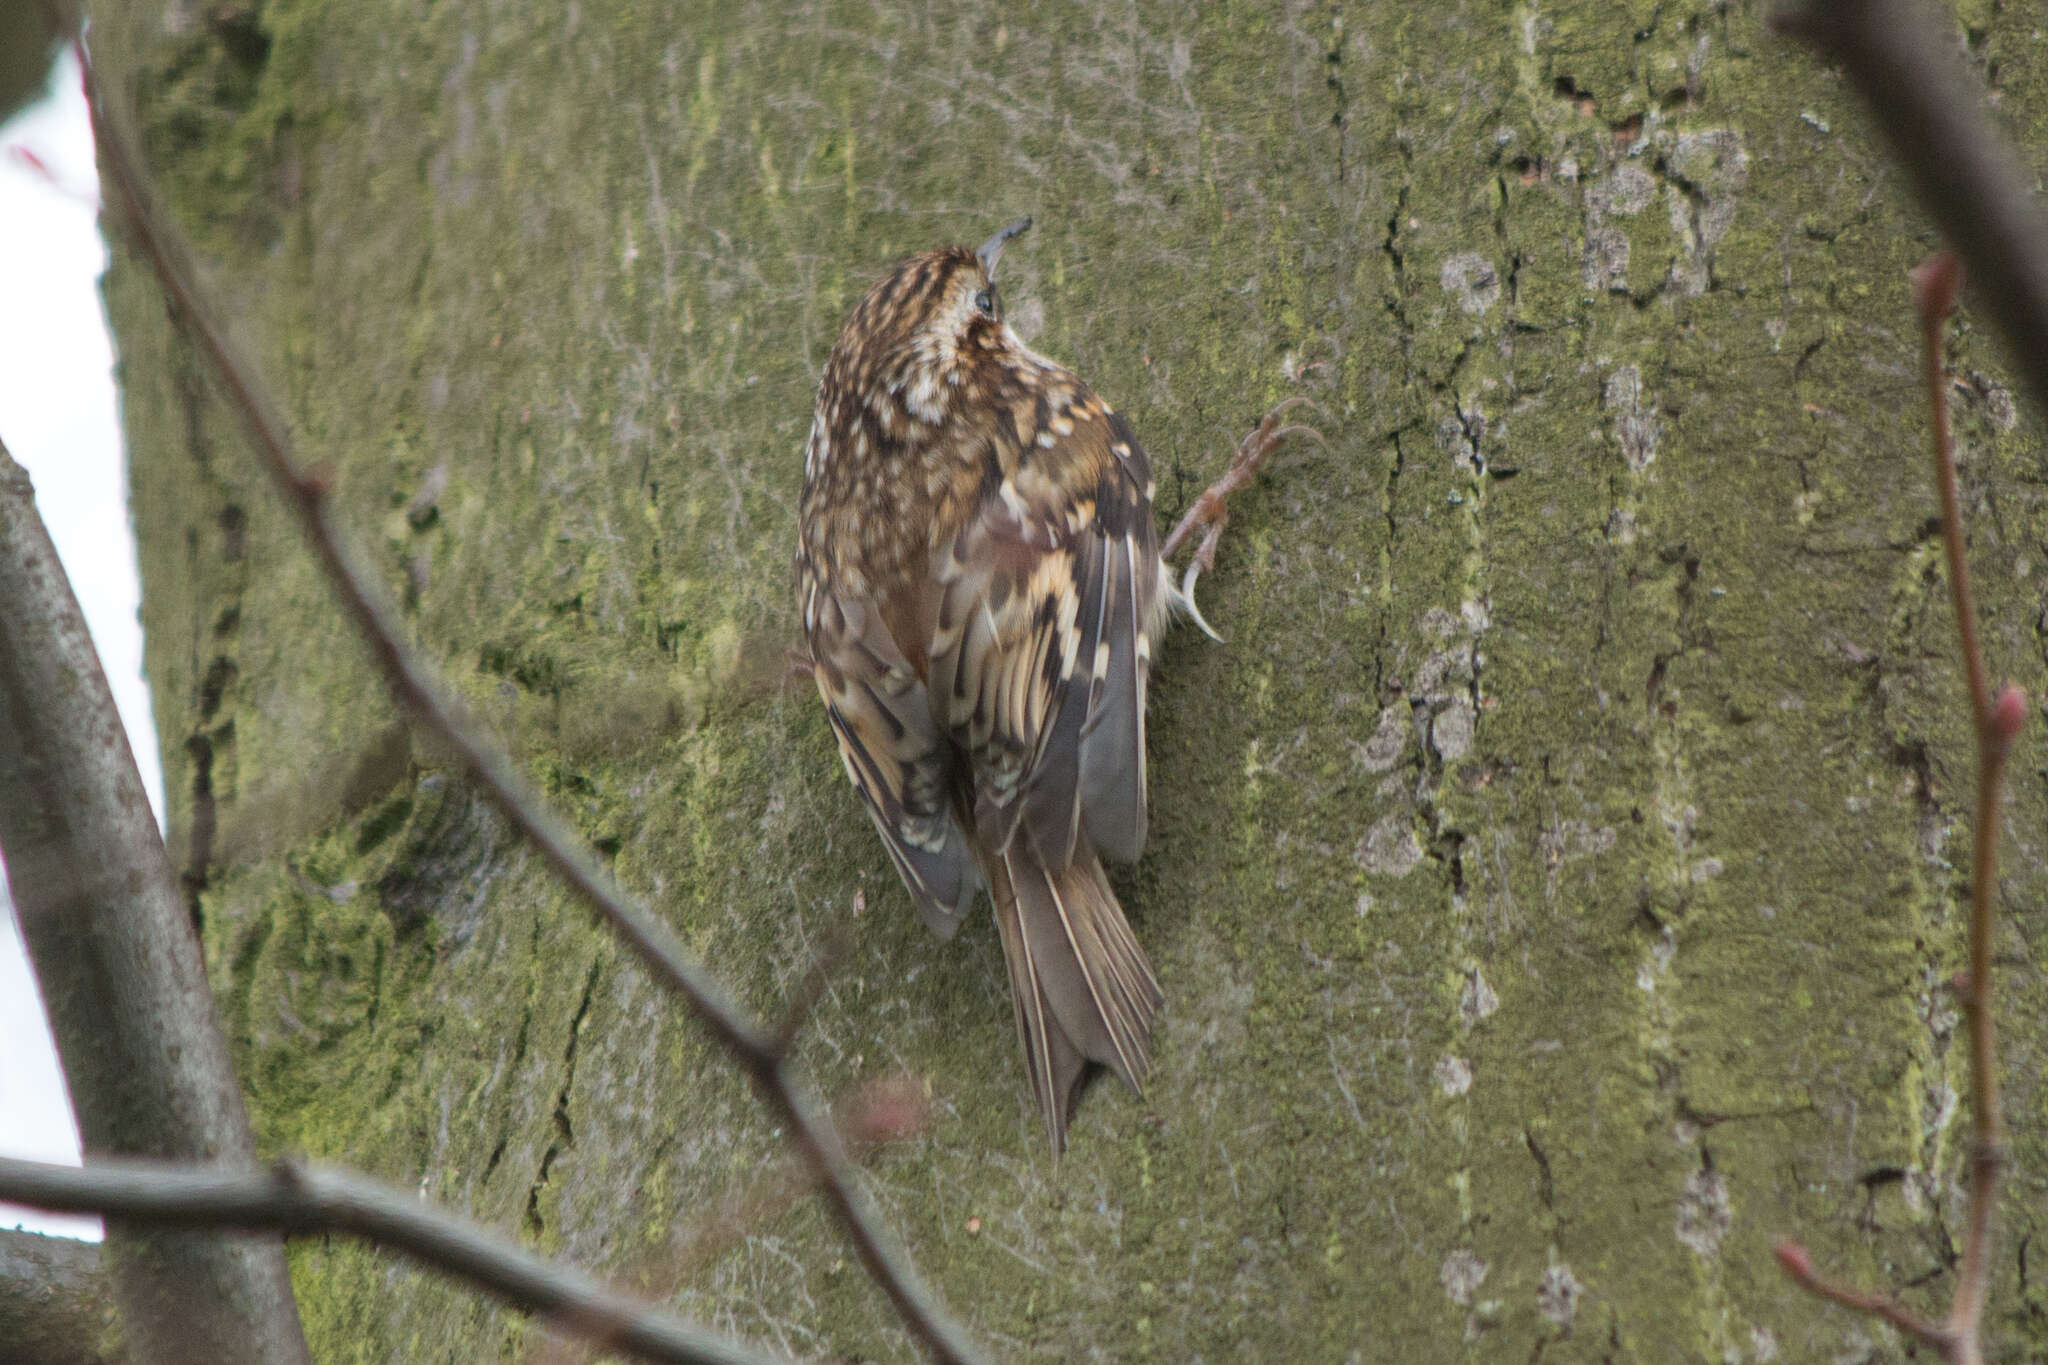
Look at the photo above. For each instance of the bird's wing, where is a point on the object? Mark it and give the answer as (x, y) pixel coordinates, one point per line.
(1049, 604)
(897, 759)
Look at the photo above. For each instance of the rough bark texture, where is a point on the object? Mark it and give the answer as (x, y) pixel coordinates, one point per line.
(1554, 879)
(55, 1304)
(119, 967)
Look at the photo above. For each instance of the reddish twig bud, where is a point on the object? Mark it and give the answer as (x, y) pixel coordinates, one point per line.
(1936, 281)
(888, 1109)
(2008, 716)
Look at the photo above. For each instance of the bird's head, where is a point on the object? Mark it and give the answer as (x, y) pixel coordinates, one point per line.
(921, 334)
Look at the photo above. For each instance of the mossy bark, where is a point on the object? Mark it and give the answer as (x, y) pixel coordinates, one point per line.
(1554, 879)
(57, 1304)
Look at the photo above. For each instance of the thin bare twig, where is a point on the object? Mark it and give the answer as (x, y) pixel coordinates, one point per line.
(307, 494)
(298, 1199)
(1793, 1257)
(1903, 58)
(1935, 282)
(1996, 722)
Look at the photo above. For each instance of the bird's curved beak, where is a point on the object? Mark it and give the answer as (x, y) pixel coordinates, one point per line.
(991, 250)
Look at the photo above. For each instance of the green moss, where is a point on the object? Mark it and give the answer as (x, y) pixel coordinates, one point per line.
(1630, 552)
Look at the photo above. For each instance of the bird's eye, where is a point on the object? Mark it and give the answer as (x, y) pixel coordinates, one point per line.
(985, 301)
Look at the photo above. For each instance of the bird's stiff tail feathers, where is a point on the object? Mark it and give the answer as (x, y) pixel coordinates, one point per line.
(1083, 990)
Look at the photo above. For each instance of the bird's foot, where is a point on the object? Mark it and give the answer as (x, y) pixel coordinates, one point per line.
(1211, 511)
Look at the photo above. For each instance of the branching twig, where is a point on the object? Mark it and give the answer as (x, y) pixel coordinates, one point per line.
(308, 495)
(293, 1198)
(1799, 1266)
(1904, 61)
(1996, 723)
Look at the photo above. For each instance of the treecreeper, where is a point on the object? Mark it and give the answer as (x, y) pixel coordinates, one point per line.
(982, 592)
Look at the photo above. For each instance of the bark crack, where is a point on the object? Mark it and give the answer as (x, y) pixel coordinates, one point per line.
(565, 1132)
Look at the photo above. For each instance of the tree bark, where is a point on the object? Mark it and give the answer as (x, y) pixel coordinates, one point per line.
(119, 966)
(1554, 879)
(54, 1303)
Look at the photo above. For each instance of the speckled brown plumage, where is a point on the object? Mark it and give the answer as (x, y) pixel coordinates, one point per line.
(981, 590)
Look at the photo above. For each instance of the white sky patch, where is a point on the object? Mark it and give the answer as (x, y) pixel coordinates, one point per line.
(58, 419)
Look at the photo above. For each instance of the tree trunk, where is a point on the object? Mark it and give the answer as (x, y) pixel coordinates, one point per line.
(1555, 878)
(54, 1302)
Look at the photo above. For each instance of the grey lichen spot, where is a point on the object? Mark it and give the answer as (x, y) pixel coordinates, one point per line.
(1696, 65)
(1458, 438)
(1713, 164)
(1998, 404)
(1624, 192)
(1938, 1102)
(1462, 1274)
(1450, 732)
(1605, 267)
(1439, 668)
(1477, 1001)
(1471, 279)
(1389, 848)
(1635, 421)
(1658, 964)
(1689, 276)
(1453, 1075)
(1389, 739)
(1708, 170)
(1557, 1295)
(1704, 1216)
(1763, 1345)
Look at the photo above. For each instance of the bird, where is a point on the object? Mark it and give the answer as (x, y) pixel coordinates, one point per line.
(979, 579)
(982, 593)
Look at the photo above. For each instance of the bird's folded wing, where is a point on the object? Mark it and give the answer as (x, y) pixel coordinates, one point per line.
(898, 761)
(1047, 610)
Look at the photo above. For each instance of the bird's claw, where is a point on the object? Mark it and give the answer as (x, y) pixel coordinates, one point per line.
(1182, 598)
(1211, 511)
